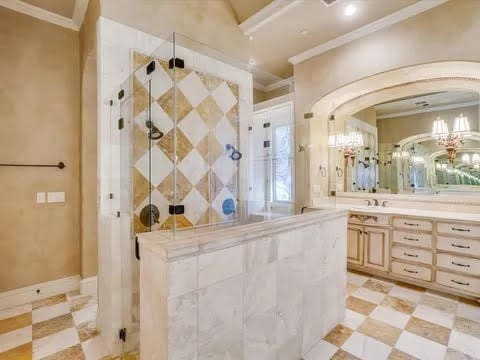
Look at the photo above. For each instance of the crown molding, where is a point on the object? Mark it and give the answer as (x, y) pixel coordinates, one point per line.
(393, 18)
(39, 13)
(275, 85)
(427, 110)
(267, 15)
(79, 12)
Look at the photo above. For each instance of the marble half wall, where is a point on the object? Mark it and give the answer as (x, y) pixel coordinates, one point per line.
(265, 291)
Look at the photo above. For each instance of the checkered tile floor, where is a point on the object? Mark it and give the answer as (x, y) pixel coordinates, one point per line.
(59, 327)
(389, 320)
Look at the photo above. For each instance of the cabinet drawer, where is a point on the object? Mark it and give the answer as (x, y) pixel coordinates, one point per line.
(412, 254)
(462, 282)
(413, 271)
(461, 246)
(464, 230)
(459, 263)
(411, 238)
(368, 219)
(416, 224)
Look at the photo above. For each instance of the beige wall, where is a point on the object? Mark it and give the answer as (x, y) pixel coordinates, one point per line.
(88, 64)
(40, 111)
(447, 32)
(368, 115)
(212, 22)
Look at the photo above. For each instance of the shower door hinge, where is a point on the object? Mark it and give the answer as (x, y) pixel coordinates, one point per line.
(177, 62)
(110, 196)
(121, 94)
(176, 209)
(120, 124)
(118, 214)
(150, 67)
(137, 248)
(122, 334)
(266, 125)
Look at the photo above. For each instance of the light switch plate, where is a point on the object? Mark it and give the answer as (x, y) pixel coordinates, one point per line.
(56, 197)
(41, 198)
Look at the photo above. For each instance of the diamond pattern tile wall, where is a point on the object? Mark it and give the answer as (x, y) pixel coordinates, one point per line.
(205, 108)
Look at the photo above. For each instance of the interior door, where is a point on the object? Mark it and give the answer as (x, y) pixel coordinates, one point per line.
(355, 244)
(376, 248)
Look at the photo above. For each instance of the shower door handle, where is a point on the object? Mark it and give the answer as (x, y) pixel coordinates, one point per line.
(137, 248)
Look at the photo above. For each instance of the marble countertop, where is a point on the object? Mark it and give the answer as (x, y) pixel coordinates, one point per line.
(438, 215)
(189, 242)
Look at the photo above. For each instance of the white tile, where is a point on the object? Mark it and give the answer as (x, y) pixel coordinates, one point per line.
(193, 166)
(15, 311)
(217, 204)
(161, 165)
(159, 201)
(366, 347)
(465, 343)
(390, 316)
(353, 319)
(225, 168)
(323, 350)
(193, 127)
(50, 312)
(193, 89)
(406, 293)
(158, 116)
(357, 279)
(86, 314)
(289, 244)
(55, 343)
(369, 295)
(224, 97)
(467, 311)
(94, 349)
(182, 276)
(15, 338)
(225, 133)
(420, 347)
(433, 315)
(195, 206)
(219, 265)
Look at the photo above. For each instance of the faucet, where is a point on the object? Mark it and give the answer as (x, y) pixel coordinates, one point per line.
(369, 203)
(384, 203)
(375, 202)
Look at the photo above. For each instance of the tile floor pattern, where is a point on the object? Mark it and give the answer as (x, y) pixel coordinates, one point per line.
(391, 320)
(384, 320)
(59, 327)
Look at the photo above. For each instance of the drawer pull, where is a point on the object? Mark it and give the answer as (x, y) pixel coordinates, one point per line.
(460, 246)
(457, 229)
(410, 271)
(460, 283)
(411, 224)
(409, 238)
(411, 255)
(458, 264)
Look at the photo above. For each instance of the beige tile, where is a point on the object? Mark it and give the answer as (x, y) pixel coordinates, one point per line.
(72, 353)
(87, 331)
(142, 188)
(49, 301)
(22, 352)
(378, 286)
(49, 327)
(234, 117)
(442, 295)
(141, 97)
(16, 322)
(456, 355)
(233, 88)
(140, 59)
(343, 355)
(215, 150)
(183, 146)
(181, 107)
(203, 148)
(468, 326)
(79, 302)
(141, 143)
(380, 331)
(181, 189)
(360, 306)
(210, 112)
(138, 227)
(404, 306)
(400, 355)
(338, 335)
(439, 303)
(210, 82)
(203, 186)
(428, 330)
(351, 289)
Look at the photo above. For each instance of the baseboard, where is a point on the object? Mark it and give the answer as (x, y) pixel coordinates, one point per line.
(88, 286)
(39, 291)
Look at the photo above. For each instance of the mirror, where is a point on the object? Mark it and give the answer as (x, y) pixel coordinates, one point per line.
(423, 144)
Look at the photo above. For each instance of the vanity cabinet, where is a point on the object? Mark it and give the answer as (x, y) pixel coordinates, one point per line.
(437, 254)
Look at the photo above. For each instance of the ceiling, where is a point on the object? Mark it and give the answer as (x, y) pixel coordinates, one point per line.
(426, 103)
(280, 38)
(60, 7)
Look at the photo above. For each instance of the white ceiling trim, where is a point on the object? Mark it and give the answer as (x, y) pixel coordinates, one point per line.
(393, 18)
(39, 13)
(79, 12)
(267, 14)
(429, 109)
(278, 84)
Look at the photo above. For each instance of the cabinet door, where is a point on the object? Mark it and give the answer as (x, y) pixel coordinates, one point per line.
(355, 244)
(377, 243)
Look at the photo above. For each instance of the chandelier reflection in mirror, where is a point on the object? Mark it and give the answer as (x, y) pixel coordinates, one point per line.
(348, 144)
(451, 142)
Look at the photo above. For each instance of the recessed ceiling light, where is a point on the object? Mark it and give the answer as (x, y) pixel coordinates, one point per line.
(304, 32)
(252, 62)
(350, 10)
(250, 37)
